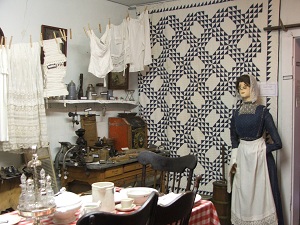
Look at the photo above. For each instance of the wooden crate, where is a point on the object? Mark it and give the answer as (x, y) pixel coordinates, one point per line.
(89, 124)
(128, 132)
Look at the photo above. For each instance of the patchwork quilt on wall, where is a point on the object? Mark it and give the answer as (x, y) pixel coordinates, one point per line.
(187, 94)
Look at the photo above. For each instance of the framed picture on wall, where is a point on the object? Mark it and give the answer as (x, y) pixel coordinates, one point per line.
(49, 32)
(118, 80)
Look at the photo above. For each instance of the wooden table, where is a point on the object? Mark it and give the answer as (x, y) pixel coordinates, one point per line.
(203, 213)
(122, 174)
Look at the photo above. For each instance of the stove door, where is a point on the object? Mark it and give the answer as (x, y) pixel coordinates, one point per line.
(139, 138)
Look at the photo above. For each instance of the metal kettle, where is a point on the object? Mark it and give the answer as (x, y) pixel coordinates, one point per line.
(72, 91)
(90, 92)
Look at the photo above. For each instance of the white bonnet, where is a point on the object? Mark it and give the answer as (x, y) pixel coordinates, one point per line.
(254, 89)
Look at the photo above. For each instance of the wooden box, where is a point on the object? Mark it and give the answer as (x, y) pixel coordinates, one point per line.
(89, 124)
(130, 132)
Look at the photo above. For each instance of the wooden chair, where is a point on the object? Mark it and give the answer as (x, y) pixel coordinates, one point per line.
(177, 212)
(140, 216)
(168, 172)
(197, 183)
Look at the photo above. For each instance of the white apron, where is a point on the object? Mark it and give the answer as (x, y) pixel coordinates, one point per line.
(252, 199)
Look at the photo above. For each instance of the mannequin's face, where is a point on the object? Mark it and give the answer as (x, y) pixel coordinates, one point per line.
(244, 91)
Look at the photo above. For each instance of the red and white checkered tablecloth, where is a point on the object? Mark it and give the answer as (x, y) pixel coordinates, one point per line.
(47, 221)
(203, 213)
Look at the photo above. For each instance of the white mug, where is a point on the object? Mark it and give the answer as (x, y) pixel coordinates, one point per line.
(126, 202)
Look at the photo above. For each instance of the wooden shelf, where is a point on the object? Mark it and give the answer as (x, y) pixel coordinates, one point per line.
(92, 102)
(108, 104)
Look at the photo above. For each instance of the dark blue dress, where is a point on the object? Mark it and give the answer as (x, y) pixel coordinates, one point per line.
(250, 122)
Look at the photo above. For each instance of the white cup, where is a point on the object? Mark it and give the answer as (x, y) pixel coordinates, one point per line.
(126, 202)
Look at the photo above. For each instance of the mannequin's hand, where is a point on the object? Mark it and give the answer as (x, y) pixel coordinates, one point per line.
(233, 169)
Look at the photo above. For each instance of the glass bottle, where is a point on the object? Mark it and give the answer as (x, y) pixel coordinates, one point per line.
(22, 198)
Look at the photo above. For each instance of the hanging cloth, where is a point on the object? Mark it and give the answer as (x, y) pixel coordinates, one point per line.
(26, 108)
(139, 38)
(120, 49)
(3, 94)
(100, 62)
(54, 68)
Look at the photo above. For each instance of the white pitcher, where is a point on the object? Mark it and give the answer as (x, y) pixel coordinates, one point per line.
(104, 191)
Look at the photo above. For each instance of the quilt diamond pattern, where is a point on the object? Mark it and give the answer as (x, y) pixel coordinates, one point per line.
(188, 93)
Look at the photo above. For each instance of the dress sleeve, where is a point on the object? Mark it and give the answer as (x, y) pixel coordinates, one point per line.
(272, 130)
(233, 134)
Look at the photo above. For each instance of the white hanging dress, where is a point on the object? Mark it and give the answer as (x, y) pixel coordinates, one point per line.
(3, 94)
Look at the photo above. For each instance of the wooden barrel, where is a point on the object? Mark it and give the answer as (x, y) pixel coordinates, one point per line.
(222, 201)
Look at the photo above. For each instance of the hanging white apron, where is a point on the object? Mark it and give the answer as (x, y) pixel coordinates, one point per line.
(252, 199)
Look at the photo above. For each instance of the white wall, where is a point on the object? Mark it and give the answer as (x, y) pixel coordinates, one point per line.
(22, 18)
(287, 171)
(290, 11)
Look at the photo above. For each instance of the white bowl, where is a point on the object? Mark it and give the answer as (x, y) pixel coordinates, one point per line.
(66, 215)
(139, 194)
(67, 204)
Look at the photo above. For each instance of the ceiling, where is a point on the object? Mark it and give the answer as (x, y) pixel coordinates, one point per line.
(136, 2)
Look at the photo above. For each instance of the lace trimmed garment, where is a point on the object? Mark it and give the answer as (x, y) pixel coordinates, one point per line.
(4, 72)
(255, 186)
(27, 124)
(119, 46)
(54, 69)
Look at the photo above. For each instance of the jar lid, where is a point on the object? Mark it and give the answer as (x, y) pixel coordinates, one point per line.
(65, 198)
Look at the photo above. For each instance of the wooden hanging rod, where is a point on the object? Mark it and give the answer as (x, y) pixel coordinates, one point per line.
(282, 27)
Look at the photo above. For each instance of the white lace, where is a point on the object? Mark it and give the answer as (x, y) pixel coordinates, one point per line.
(270, 220)
(120, 46)
(54, 69)
(26, 110)
(3, 94)
(248, 108)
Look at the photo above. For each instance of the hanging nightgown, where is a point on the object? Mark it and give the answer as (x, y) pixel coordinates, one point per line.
(25, 101)
(139, 37)
(3, 94)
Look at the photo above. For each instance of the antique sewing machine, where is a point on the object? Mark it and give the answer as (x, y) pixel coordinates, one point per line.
(80, 153)
(69, 153)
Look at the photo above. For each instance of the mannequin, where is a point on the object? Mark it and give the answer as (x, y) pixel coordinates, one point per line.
(252, 171)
